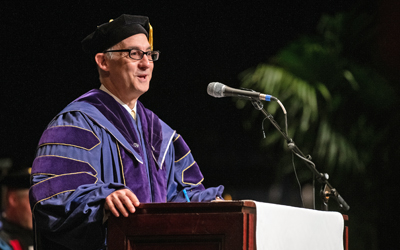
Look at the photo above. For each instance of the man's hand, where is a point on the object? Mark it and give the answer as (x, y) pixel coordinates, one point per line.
(121, 201)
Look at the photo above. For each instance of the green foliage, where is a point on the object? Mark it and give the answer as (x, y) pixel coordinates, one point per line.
(326, 85)
(342, 111)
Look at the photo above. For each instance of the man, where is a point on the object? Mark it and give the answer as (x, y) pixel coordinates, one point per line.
(105, 152)
(16, 222)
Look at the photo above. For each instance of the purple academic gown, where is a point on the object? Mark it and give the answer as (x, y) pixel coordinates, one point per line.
(92, 148)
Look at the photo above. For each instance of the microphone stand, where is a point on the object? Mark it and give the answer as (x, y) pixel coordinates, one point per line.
(327, 190)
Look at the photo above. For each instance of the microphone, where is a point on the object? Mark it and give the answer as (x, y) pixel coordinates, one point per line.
(219, 90)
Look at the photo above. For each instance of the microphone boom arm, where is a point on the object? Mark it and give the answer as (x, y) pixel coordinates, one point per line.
(330, 191)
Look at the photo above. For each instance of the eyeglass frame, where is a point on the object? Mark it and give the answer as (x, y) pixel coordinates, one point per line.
(147, 53)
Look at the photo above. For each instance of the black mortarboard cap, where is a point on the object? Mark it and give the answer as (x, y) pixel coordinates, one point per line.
(111, 33)
(19, 179)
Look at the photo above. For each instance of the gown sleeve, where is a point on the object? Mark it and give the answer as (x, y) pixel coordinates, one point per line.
(67, 194)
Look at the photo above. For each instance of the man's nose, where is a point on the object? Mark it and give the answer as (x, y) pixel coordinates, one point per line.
(144, 62)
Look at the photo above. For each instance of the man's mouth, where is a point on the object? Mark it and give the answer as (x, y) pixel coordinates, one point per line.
(142, 77)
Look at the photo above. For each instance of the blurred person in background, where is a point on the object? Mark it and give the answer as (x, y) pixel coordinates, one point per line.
(16, 219)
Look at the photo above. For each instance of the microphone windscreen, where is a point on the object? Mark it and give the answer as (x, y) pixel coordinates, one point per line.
(216, 89)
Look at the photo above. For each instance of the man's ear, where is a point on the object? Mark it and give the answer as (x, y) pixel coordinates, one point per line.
(12, 199)
(101, 61)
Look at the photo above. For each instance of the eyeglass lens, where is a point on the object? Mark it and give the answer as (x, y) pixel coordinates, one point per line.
(138, 54)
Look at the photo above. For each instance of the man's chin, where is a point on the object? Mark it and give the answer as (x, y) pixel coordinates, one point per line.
(141, 91)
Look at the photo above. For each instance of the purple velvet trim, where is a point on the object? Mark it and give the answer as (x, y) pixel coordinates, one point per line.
(113, 111)
(152, 134)
(59, 165)
(69, 135)
(181, 148)
(57, 185)
(151, 121)
(192, 174)
(122, 120)
(135, 175)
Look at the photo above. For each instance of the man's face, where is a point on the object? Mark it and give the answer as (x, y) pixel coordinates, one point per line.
(22, 214)
(131, 77)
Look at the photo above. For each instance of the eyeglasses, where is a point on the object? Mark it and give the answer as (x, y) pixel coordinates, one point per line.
(137, 54)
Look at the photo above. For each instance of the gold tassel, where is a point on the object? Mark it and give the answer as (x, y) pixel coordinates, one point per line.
(151, 36)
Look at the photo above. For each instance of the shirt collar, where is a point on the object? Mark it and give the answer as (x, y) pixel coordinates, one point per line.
(102, 87)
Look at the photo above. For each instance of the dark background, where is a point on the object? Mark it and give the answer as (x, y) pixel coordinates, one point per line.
(43, 68)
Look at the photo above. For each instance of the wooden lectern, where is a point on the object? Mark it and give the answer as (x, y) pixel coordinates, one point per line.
(224, 225)
(194, 225)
